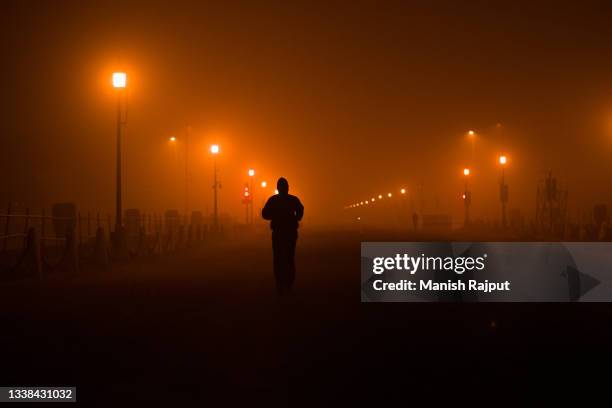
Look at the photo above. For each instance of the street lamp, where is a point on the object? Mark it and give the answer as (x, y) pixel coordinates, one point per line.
(467, 197)
(263, 184)
(503, 188)
(119, 83)
(214, 150)
(472, 137)
(172, 139)
(389, 195)
(380, 196)
(403, 191)
(250, 199)
(119, 79)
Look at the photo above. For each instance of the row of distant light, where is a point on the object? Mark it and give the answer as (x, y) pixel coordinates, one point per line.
(373, 199)
(503, 160)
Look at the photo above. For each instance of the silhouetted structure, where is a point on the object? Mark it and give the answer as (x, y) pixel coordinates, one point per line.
(285, 211)
(551, 206)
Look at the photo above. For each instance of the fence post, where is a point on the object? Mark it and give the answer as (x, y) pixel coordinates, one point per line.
(101, 249)
(26, 226)
(80, 229)
(43, 221)
(33, 251)
(72, 250)
(6, 226)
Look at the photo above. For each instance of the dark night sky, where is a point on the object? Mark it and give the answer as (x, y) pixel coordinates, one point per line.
(346, 99)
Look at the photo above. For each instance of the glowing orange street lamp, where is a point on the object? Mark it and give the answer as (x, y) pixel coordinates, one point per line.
(503, 187)
(263, 184)
(214, 150)
(389, 195)
(119, 83)
(403, 191)
(373, 199)
(172, 139)
(380, 196)
(467, 197)
(251, 174)
(119, 79)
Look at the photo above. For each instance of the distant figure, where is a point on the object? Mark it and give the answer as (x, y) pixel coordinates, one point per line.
(415, 220)
(285, 211)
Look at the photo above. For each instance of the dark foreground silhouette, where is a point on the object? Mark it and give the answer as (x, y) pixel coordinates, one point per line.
(285, 212)
(202, 328)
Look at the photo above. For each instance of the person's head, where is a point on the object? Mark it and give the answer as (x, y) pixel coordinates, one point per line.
(282, 185)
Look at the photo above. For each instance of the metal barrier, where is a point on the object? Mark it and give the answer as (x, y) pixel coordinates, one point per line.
(31, 250)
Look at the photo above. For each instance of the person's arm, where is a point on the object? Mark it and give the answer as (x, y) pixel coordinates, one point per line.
(299, 209)
(266, 212)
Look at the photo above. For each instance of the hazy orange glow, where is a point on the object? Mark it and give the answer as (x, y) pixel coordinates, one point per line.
(503, 159)
(466, 172)
(251, 172)
(214, 149)
(403, 191)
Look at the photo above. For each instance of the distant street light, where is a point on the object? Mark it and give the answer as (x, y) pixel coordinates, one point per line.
(503, 188)
(389, 195)
(119, 83)
(403, 191)
(472, 137)
(467, 197)
(264, 184)
(275, 191)
(172, 139)
(214, 150)
(251, 174)
(380, 196)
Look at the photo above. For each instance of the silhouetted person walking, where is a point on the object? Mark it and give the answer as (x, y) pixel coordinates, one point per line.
(285, 211)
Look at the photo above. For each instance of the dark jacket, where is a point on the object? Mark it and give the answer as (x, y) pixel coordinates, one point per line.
(285, 211)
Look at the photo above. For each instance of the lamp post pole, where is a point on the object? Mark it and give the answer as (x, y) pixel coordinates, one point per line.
(214, 149)
(118, 211)
(187, 175)
(467, 197)
(503, 189)
(119, 83)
